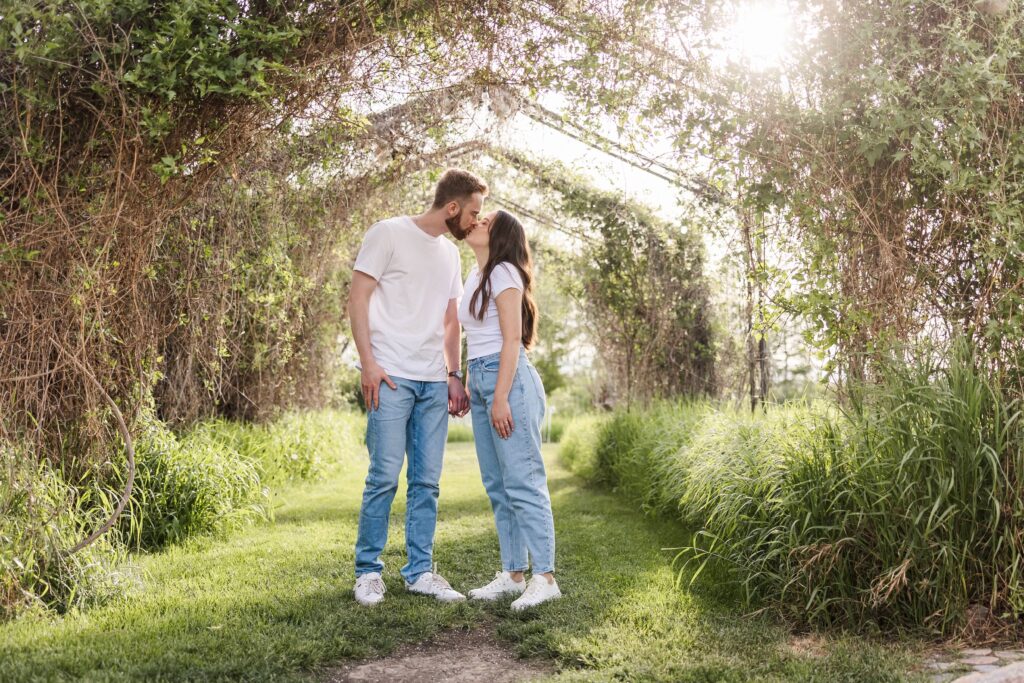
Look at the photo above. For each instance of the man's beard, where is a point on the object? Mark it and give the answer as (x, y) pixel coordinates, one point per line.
(455, 226)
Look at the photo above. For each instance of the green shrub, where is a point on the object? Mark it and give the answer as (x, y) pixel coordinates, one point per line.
(554, 433)
(460, 432)
(297, 446)
(211, 479)
(41, 518)
(578, 447)
(189, 486)
(905, 512)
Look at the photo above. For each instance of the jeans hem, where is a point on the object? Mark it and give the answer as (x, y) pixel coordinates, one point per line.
(360, 572)
(415, 577)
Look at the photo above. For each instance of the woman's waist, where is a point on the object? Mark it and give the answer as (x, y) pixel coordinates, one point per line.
(493, 359)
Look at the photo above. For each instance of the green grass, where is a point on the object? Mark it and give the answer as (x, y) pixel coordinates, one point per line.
(273, 602)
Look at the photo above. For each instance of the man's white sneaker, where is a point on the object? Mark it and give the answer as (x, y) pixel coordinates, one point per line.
(435, 585)
(537, 592)
(369, 589)
(502, 585)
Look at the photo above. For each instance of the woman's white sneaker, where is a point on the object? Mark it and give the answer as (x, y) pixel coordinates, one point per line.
(501, 585)
(537, 592)
(369, 589)
(435, 585)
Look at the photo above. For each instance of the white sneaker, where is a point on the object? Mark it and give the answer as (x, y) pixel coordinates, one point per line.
(369, 589)
(537, 592)
(502, 585)
(433, 584)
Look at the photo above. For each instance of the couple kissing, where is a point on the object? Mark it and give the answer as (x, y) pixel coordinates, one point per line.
(407, 308)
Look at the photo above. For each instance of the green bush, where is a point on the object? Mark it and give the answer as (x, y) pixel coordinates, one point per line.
(219, 474)
(460, 432)
(41, 518)
(904, 512)
(213, 478)
(578, 446)
(189, 486)
(556, 431)
(297, 446)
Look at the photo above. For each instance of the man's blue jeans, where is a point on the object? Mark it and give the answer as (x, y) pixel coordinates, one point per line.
(512, 469)
(411, 419)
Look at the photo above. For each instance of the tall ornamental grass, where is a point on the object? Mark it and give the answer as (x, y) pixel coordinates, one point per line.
(297, 446)
(189, 486)
(904, 512)
(219, 474)
(41, 515)
(578, 447)
(211, 479)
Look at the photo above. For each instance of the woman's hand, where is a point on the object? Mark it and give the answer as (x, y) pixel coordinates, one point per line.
(501, 417)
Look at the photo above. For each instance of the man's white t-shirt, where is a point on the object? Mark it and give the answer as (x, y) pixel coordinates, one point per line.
(416, 277)
(483, 337)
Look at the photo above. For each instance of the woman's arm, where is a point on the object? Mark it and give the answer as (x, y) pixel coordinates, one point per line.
(510, 320)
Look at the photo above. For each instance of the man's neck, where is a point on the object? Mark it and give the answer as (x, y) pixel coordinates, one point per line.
(431, 222)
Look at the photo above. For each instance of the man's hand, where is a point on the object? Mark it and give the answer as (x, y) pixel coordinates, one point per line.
(373, 375)
(458, 399)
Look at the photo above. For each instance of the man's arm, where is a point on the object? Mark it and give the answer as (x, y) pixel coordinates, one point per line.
(359, 319)
(458, 401)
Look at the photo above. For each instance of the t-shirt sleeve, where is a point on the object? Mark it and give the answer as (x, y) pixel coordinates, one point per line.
(505, 276)
(375, 254)
(456, 286)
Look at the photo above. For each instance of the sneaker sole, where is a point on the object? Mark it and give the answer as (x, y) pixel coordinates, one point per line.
(369, 604)
(437, 597)
(492, 598)
(536, 604)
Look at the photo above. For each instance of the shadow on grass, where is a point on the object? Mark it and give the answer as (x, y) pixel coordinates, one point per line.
(258, 612)
(274, 603)
(629, 615)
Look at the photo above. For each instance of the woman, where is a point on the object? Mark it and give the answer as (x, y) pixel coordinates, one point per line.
(507, 403)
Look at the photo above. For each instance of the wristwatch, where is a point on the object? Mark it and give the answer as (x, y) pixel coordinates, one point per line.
(456, 373)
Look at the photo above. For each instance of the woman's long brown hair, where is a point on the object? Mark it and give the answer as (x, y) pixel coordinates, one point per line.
(508, 244)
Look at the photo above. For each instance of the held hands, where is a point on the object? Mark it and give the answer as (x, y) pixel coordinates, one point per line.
(501, 417)
(458, 399)
(373, 375)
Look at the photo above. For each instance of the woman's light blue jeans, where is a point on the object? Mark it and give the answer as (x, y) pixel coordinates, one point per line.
(412, 418)
(512, 469)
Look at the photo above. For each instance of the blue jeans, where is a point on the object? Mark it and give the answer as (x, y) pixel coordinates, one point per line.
(413, 419)
(512, 469)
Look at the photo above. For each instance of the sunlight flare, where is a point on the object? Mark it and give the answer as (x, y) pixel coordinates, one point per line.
(760, 35)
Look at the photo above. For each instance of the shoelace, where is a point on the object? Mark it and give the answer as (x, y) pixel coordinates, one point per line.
(533, 588)
(438, 581)
(375, 584)
(498, 582)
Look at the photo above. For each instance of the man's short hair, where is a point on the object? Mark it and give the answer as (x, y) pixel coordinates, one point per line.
(456, 185)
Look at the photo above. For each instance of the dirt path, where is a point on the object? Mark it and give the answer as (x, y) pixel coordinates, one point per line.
(455, 656)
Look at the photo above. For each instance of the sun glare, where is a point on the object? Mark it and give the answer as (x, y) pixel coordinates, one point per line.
(760, 35)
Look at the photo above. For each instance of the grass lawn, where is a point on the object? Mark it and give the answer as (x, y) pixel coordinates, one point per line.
(274, 602)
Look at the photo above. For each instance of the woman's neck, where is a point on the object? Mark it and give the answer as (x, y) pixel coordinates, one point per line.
(482, 253)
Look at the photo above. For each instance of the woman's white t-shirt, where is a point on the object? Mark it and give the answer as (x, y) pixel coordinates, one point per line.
(483, 337)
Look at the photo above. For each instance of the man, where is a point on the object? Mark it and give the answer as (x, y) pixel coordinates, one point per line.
(403, 308)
